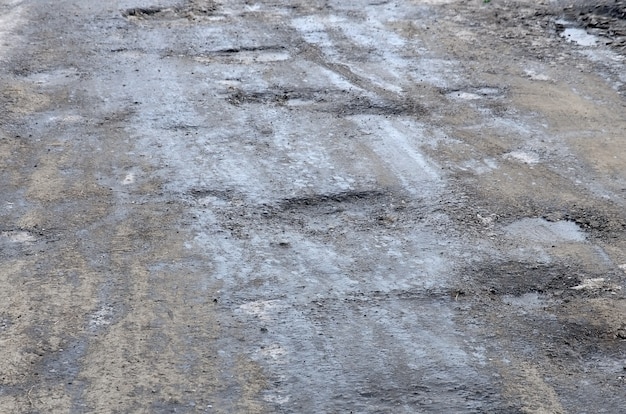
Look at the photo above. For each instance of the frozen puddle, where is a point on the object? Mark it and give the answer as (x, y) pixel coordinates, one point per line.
(580, 36)
(576, 34)
(543, 231)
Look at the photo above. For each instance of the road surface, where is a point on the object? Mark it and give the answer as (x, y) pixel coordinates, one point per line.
(312, 206)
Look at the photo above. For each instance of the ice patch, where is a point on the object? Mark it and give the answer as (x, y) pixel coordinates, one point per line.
(398, 142)
(437, 72)
(479, 166)
(261, 308)
(129, 179)
(8, 22)
(465, 96)
(527, 301)
(277, 399)
(537, 76)
(246, 57)
(274, 351)
(525, 157)
(101, 317)
(18, 236)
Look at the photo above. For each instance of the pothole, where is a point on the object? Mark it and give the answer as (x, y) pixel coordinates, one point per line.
(189, 10)
(332, 101)
(473, 93)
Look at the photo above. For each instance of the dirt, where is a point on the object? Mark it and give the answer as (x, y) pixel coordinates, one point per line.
(321, 206)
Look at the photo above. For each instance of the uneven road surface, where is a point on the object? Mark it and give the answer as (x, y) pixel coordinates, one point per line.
(316, 206)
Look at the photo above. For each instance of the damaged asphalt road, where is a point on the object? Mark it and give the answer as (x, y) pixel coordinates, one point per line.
(312, 206)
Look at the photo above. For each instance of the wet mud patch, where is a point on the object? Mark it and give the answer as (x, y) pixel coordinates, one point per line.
(359, 210)
(339, 102)
(589, 337)
(603, 221)
(589, 328)
(243, 49)
(365, 106)
(517, 278)
(507, 20)
(312, 215)
(336, 199)
(21, 99)
(600, 224)
(597, 321)
(199, 194)
(540, 23)
(572, 337)
(21, 241)
(282, 97)
(190, 10)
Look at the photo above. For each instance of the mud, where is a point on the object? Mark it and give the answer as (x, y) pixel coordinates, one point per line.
(320, 206)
